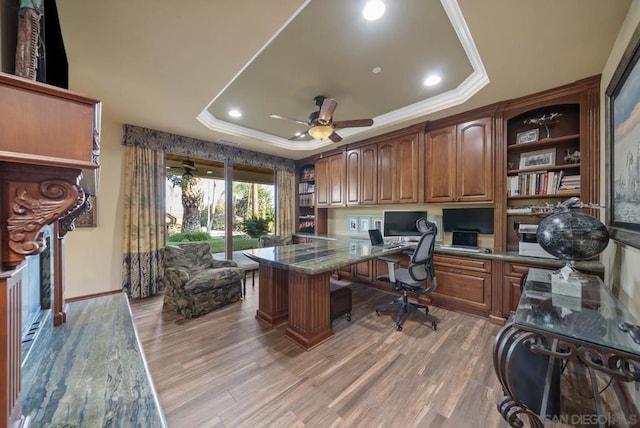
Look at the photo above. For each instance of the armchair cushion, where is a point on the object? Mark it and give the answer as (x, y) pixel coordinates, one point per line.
(195, 283)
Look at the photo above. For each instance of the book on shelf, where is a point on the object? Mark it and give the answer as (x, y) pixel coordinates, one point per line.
(306, 187)
(534, 183)
(569, 184)
(307, 200)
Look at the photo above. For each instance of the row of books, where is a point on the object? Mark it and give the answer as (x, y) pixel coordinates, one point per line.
(534, 183)
(307, 200)
(569, 184)
(306, 187)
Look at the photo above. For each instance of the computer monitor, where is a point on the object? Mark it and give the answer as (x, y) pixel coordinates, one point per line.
(472, 219)
(401, 223)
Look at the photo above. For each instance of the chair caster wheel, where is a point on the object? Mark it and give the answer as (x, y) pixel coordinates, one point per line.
(433, 326)
(399, 327)
(349, 317)
(377, 312)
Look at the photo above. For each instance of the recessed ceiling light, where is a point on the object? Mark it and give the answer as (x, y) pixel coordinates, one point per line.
(373, 10)
(235, 113)
(376, 70)
(209, 172)
(432, 80)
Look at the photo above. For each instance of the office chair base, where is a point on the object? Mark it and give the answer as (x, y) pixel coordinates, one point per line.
(404, 306)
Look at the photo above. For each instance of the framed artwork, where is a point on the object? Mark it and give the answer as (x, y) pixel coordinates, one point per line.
(352, 224)
(528, 136)
(437, 219)
(376, 223)
(87, 219)
(623, 147)
(538, 159)
(364, 223)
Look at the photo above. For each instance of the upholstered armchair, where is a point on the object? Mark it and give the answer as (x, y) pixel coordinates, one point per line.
(275, 240)
(195, 283)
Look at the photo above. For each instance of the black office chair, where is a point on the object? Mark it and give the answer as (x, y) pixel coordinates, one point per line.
(419, 272)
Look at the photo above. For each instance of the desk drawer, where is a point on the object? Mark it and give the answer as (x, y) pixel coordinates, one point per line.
(466, 263)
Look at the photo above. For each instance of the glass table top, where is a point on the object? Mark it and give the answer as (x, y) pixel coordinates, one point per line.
(594, 317)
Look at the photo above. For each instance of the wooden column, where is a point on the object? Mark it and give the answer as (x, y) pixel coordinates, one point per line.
(309, 309)
(273, 301)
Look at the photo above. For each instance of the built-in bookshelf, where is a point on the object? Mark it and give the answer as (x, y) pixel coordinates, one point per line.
(306, 199)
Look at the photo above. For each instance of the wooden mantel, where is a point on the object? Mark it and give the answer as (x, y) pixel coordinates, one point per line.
(49, 157)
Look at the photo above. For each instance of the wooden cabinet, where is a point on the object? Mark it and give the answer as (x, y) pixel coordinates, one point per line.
(330, 174)
(463, 283)
(459, 163)
(362, 175)
(399, 170)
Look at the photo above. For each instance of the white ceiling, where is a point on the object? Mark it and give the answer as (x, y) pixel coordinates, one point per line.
(162, 64)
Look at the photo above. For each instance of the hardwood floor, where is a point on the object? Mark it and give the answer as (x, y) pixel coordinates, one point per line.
(225, 370)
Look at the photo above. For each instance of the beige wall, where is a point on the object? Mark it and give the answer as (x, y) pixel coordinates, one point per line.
(337, 219)
(94, 255)
(621, 262)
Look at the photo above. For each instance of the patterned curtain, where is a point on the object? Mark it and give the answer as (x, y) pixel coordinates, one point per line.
(144, 221)
(284, 204)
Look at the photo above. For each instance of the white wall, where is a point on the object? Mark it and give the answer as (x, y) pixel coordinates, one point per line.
(621, 262)
(93, 261)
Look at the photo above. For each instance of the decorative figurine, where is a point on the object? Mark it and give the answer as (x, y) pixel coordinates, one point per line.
(572, 157)
(545, 120)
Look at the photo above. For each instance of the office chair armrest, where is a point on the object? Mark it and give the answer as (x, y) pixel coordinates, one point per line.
(391, 267)
(389, 260)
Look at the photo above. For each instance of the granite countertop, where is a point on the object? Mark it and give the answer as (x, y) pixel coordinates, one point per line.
(321, 255)
(91, 371)
(510, 256)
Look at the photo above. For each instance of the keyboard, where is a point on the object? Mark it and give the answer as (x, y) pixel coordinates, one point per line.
(459, 248)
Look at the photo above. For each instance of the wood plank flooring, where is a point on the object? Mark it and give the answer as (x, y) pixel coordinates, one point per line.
(225, 370)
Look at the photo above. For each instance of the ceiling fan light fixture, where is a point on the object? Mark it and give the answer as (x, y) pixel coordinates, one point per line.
(187, 175)
(320, 132)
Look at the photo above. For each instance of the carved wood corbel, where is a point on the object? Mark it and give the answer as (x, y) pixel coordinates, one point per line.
(34, 198)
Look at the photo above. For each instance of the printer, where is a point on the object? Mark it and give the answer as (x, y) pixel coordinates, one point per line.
(528, 245)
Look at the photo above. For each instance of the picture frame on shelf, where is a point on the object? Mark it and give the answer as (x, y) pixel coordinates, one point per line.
(538, 159)
(529, 136)
(364, 224)
(352, 224)
(622, 147)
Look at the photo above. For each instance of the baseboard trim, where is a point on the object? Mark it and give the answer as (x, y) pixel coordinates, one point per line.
(92, 296)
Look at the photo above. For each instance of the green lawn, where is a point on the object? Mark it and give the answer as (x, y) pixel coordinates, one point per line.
(239, 244)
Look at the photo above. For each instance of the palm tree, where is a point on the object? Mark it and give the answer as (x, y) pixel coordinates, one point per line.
(191, 200)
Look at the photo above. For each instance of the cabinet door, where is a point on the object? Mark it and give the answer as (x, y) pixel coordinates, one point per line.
(474, 161)
(386, 172)
(369, 175)
(363, 270)
(322, 182)
(440, 165)
(464, 289)
(353, 177)
(407, 169)
(336, 180)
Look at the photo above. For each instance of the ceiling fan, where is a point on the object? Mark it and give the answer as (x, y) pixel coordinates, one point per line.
(321, 123)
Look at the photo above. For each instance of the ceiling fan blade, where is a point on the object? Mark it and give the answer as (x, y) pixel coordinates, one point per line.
(295, 137)
(335, 138)
(326, 111)
(353, 123)
(276, 116)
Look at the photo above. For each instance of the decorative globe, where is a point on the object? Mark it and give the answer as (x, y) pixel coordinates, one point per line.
(571, 235)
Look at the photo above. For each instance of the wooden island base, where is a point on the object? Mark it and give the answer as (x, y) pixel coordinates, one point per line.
(301, 299)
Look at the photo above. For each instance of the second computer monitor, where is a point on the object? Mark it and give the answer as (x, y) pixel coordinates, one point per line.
(401, 223)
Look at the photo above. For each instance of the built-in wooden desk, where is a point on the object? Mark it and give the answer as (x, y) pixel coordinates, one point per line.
(294, 284)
